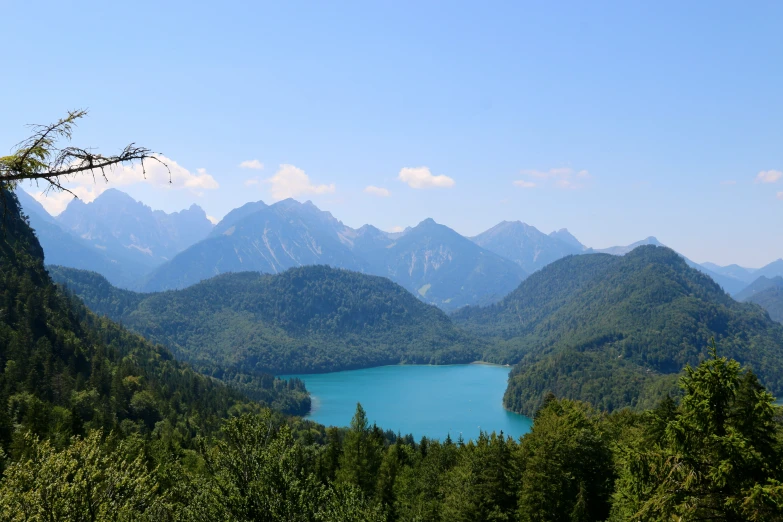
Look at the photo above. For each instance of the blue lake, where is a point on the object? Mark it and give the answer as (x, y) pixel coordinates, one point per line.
(430, 401)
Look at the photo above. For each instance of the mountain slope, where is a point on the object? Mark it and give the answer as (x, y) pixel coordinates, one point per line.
(526, 245)
(746, 275)
(430, 260)
(767, 293)
(615, 331)
(236, 215)
(309, 319)
(64, 371)
(770, 300)
(774, 269)
(131, 232)
(63, 248)
(444, 268)
(566, 237)
(759, 285)
(270, 240)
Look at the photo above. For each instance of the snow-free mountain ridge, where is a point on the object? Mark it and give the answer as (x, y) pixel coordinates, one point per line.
(138, 248)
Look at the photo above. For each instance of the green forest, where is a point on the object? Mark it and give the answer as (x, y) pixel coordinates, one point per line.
(103, 425)
(616, 331)
(305, 320)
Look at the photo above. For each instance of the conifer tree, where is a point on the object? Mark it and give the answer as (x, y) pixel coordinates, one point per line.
(717, 458)
(361, 454)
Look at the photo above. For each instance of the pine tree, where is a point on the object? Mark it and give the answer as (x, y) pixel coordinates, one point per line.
(717, 458)
(361, 454)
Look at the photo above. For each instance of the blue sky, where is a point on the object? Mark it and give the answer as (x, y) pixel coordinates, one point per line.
(617, 120)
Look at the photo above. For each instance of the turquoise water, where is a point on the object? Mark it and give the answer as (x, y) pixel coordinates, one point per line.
(427, 401)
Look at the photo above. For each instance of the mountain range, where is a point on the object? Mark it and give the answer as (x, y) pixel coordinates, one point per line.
(137, 248)
(114, 235)
(125, 228)
(430, 260)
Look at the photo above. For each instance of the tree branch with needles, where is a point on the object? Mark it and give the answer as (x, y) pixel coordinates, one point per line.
(40, 158)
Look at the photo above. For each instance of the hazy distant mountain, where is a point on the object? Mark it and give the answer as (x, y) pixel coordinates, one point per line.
(774, 269)
(62, 248)
(767, 293)
(526, 245)
(128, 230)
(566, 237)
(759, 285)
(622, 250)
(617, 330)
(270, 240)
(737, 272)
(443, 267)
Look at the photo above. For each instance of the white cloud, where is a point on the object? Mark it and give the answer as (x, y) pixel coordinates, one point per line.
(213, 219)
(562, 177)
(768, 176)
(396, 229)
(780, 195)
(421, 177)
(290, 181)
(252, 164)
(89, 185)
(377, 191)
(252, 181)
(728, 182)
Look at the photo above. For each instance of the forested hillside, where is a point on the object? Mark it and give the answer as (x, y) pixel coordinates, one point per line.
(309, 319)
(714, 456)
(66, 371)
(615, 331)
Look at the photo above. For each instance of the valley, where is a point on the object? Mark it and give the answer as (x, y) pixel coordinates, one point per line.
(286, 262)
(625, 320)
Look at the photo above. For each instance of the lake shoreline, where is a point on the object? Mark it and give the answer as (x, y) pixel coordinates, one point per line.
(432, 400)
(480, 363)
(484, 363)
